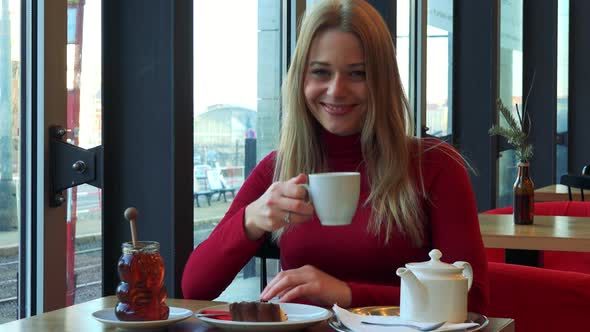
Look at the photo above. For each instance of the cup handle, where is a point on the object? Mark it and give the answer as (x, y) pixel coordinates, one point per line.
(306, 186)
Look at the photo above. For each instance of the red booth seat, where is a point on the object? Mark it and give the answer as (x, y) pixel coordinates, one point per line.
(557, 260)
(539, 299)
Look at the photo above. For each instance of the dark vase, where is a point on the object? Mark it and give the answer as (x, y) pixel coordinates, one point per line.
(524, 196)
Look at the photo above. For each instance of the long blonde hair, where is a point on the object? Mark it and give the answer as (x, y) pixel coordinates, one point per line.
(387, 132)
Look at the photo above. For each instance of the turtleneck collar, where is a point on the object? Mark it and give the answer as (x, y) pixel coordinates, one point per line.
(344, 153)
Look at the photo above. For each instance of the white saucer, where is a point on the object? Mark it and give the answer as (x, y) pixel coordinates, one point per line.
(107, 316)
(299, 316)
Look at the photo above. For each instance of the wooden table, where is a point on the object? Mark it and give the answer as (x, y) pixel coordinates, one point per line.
(558, 233)
(556, 192)
(79, 318)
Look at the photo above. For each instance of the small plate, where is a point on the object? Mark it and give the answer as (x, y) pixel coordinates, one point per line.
(107, 317)
(335, 323)
(299, 316)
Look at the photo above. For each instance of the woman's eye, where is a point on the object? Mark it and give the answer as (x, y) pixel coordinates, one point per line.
(320, 72)
(358, 74)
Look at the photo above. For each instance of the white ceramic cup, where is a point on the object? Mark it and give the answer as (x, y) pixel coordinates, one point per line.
(335, 196)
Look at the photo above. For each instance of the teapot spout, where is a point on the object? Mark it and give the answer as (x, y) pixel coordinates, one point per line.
(413, 291)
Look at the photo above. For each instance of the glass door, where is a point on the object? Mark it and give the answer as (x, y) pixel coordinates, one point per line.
(50, 243)
(84, 129)
(10, 162)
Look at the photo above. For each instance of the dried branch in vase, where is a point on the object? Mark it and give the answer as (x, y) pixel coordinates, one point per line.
(516, 132)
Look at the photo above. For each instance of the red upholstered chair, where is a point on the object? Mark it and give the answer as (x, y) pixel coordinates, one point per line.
(557, 260)
(539, 299)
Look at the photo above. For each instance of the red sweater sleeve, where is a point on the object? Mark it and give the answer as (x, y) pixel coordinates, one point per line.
(216, 261)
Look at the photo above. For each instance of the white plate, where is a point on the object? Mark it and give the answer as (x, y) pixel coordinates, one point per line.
(299, 316)
(335, 323)
(107, 316)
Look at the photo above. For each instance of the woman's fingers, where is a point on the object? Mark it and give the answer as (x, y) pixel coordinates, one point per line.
(290, 294)
(288, 198)
(293, 188)
(282, 204)
(299, 179)
(310, 283)
(300, 210)
(282, 282)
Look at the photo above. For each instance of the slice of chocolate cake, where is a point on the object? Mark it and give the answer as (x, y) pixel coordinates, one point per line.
(256, 312)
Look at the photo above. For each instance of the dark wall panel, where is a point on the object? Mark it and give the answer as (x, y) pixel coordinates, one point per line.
(579, 112)
(540, 61)
(147, 130)
(475, 90)
(387, 9)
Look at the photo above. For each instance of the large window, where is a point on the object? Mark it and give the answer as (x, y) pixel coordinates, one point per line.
(237, 71)
(511, 35)
(563, 12)
(10, 138)
(439, 66)
(403, 42)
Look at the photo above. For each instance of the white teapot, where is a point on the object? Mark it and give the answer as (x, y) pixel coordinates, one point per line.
(435, 291)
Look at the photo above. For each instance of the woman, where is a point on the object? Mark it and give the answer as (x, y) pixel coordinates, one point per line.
(344, 110)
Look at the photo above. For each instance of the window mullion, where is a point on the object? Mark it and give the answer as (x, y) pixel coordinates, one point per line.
(44, 229)
(417, 85)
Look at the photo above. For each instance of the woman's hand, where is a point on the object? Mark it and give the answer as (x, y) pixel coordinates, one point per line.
(283, 203)
(310, 283)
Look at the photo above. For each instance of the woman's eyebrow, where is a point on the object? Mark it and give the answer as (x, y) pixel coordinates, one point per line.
(320, 63)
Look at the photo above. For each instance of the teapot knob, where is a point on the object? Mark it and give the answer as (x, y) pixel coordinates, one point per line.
(435, 254)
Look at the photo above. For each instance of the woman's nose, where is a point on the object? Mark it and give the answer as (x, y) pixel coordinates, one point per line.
(337, 86)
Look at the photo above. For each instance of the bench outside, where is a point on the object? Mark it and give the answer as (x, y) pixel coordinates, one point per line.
(206, 193)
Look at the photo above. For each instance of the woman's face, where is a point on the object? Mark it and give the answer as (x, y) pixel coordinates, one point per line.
(335, 86)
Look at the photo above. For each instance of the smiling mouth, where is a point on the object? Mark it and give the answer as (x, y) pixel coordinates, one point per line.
(338, 109)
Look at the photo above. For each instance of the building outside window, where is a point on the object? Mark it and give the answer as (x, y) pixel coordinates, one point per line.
(237, 74)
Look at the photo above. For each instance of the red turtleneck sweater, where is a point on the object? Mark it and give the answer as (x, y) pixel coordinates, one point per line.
(350, 253)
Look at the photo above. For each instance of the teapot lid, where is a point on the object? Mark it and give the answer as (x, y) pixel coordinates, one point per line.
(434, 264)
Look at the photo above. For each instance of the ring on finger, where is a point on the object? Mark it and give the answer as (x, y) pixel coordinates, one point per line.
(286, 218)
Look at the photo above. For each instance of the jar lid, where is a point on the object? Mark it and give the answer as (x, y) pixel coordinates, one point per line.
(434, 265)
(141, 246)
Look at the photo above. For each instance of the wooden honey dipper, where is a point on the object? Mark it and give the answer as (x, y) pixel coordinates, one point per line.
(131, 215)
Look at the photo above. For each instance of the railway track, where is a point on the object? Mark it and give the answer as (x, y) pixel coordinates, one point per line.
(88, 270)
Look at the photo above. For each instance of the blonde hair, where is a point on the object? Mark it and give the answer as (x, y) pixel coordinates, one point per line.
(386, 136)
